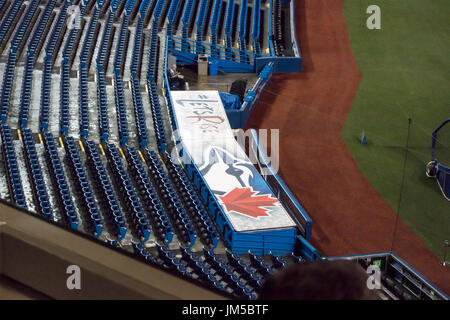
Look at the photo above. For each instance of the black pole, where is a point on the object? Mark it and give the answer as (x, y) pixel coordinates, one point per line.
(402, 183)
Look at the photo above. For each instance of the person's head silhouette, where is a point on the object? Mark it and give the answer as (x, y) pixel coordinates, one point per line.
(318, 280)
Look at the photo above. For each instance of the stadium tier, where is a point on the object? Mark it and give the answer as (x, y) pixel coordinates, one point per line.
(112, 151)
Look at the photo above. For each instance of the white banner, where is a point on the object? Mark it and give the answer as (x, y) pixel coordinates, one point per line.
(243, 194)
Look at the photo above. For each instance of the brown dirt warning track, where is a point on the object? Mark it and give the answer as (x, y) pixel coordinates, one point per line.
(349, 216)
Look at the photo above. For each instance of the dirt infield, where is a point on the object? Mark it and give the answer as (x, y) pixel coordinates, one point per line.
(349, 216)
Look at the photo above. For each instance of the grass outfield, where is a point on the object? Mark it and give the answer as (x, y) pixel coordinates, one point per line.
(406, 73)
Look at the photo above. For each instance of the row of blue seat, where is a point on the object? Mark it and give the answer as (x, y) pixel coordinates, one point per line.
(29, 64)
(136, 54)
(199, 215)
(143, 7)
(180, 220)
(278, 262)
(171, 15)
(243, 269)
(35, 176)
(93, 221)
(67, 53)
(39, 30)
(118, 58)
(101, 55)
(121, 110)
(129, 5)
(209, 274)
(2, 4)
(83, 72)
(9, 18)
(169, 260)
(61, 188)
(158, 123)
(242, 29)
(153, 53)
(234, 281)
(256, 26)
(102, 107)
(44, 111)
(15, 187)
(25, 95)
(111, 209)
(140, 250)
(186, 18)
(150, 198)
(277, 30)
(217, 6)
(21, 30)
(64, 99)
(242, 26)
(260, 265)
(158, 9)
(137, 219)
(229, 23)
(68, 46)
(8, 78)
(87, 44)
(194, 263)
(83, 102)
(139, 114)
(57, 28)
(200, 20)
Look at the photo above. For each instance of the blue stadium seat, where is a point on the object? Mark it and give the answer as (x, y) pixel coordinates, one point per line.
(141, 126)
(83, 102)
(260, 265)
(111, 209)
(169, 259)
(57, 28)
(118, 58)
(8, 78)
(64, 99)
(152, 203)
(101, 55)
(9, 18)
(137, 219)
(38, 186)
(25, 95)
(158, 123)
(121, 107)
(60, 186)
(278, 262)
(44, 112)
(39, 30)
(87, 44)
(102, 107)
(14, 181)
(180, 220)
(92, 218)
(197, 211)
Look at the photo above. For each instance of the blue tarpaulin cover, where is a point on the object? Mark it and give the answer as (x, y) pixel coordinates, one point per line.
(230, 101)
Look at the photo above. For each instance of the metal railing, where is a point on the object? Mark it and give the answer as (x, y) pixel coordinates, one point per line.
(215, 51)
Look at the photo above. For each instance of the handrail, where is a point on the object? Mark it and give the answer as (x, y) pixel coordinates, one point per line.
(293, 206)
(433, 138)
(213, 50)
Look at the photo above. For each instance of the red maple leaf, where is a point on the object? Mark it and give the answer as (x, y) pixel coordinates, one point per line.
(244, 201)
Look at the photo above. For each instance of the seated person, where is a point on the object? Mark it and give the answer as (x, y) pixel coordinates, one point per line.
(176, 80)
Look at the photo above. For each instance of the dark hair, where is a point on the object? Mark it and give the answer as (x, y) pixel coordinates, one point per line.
(318, 280)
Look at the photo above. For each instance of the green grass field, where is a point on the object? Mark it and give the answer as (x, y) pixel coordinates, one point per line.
(406, 73)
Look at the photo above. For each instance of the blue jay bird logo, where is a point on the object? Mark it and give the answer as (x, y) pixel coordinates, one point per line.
(237, 183)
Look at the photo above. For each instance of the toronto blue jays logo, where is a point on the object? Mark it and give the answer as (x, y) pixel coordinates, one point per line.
(237, 184)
